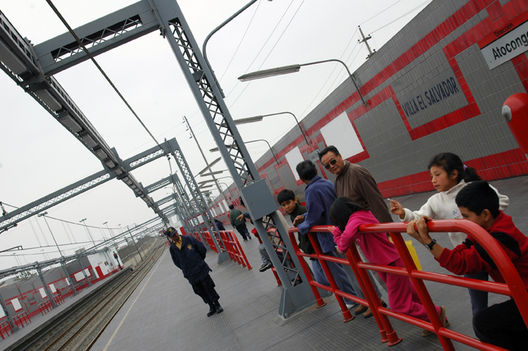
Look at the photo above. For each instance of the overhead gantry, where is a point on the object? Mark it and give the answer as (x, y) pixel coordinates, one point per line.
(124, 25)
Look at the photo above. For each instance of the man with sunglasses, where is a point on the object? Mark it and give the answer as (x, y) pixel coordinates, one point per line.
(355, 182)
(188, 254)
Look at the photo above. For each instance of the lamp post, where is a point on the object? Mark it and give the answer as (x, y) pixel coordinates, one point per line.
(211, 173)
(87, 230)
(43, 215)
(18, 247)
(296, 68)
(214, 149)
(109, 231)
(207, 164)
(204, 46)
(63, 264)
(260, 117)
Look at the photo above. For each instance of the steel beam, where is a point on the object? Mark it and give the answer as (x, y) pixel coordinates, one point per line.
(296, 294)
(85, 184)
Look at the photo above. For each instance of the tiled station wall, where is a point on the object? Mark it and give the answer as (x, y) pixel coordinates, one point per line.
(403, 127)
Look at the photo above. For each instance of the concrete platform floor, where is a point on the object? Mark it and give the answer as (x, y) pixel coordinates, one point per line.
(164, 313)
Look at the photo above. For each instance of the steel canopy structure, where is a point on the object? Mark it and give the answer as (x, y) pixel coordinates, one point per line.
(21, 62)
(31, 68)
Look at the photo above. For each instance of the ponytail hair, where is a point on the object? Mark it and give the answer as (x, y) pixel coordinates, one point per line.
(341, 210)
(470, 174)
(451, 162)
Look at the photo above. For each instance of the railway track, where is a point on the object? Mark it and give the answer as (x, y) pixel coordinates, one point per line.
(78, 327)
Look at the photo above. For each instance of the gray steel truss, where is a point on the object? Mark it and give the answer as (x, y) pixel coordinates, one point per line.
(85, 184)
(161, 184)
(199, 201)
(255, 192)
(19, 60)
(138, 19)
(165, 200)
(158, 185)
(182, 198)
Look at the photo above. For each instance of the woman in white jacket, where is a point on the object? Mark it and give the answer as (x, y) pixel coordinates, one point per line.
(449, 175)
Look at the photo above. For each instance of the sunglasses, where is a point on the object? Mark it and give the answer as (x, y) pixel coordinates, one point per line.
(330, 164)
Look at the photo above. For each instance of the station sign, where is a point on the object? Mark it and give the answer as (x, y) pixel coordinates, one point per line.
(504, 44)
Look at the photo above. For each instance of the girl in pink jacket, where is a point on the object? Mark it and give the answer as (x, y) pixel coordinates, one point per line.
(347, 217)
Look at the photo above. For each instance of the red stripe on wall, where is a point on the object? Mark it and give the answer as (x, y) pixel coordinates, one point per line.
(521, 66)
(505, 164)
(498, 16)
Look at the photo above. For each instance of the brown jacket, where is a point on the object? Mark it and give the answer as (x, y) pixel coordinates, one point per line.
(356, 183)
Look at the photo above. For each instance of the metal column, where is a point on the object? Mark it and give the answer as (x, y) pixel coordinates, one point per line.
(255, 192)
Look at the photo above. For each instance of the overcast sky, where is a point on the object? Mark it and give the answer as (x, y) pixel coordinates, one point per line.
(38, 156)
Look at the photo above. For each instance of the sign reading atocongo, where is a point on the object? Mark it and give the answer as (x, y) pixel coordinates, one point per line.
(504, 44)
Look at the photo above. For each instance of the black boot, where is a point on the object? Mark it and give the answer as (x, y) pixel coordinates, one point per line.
(212, 310)
(218, 308)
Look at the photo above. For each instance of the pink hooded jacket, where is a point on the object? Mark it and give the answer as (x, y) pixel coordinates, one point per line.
(375, 246)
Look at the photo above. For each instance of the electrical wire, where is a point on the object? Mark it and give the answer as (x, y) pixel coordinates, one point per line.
(400, 17)
(281, 35)
(65, 221)
(257, 55)
(379, 13)
(240, 42)
(335, 69)
(41, 231)
(356, 46)
(70, 29)
(72, 32)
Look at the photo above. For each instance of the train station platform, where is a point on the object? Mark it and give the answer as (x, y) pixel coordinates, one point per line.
(165, 314)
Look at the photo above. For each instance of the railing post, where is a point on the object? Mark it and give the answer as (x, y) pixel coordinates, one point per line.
(319, 255)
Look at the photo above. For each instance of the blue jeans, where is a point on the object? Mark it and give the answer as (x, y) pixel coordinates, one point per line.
(479, 298)
(341, 278)
(242, 229)
(264, 254)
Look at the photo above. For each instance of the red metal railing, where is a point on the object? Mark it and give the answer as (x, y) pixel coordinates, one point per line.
(275, 234)
(5, 328)
(234, 249)
(210, 241)
(513, 287)
(231, 243)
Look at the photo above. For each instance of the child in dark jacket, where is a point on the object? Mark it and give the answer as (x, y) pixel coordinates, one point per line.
(500, 324)
(403, 298)
(289, 203)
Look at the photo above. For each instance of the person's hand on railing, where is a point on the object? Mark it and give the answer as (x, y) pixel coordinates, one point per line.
(298, 220)
(419, 230)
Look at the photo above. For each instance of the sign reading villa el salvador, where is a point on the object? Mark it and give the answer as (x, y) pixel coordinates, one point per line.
(433, 94)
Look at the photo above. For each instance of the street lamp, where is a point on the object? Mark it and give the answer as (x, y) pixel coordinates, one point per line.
(214, 149)
(43, 215)
(87, 230)
(211, 174)
(293, 69)
(63, 263)
(18, 247)
(260, 117)
(204, 46)
(209, 165)
(110, 231)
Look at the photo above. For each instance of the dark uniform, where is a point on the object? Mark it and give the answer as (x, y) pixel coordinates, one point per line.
(190, 259)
